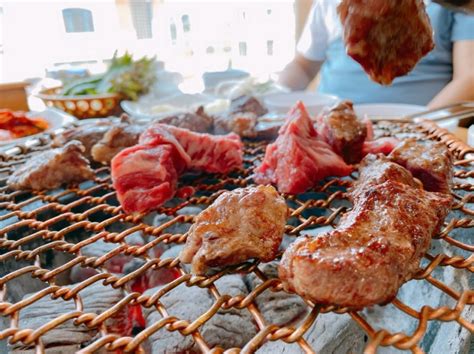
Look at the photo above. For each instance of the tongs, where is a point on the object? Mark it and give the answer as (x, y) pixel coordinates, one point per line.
(453, 111)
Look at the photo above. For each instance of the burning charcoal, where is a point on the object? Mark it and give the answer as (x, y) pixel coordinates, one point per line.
(331, 333)
(278, 308)
(189, 210)
(98, 249)
(227, 328)
(176, 228)
(96, 299)
(152, 277)
(172, 252)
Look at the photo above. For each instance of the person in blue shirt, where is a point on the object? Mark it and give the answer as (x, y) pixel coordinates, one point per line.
(444, 76)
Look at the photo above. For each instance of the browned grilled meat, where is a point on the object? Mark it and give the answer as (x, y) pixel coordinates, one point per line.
(52, 168)
(387, 37)
(247, 104)
(377, 246)
(117, 138)
(242, 124)
(428, 161)
(88, 134)
(341, 129)
(241, 117)
(240, 225)
(197, 121)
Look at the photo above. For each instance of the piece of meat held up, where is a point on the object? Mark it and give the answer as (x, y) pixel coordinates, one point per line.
(387, 37)
(52, 168)
(146, 175)
(243, 224)
(299, 158)
(376, 247)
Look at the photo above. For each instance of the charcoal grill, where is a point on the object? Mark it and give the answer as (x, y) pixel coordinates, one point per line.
(34, 224)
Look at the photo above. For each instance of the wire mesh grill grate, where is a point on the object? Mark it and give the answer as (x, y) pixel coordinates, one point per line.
(36, 225)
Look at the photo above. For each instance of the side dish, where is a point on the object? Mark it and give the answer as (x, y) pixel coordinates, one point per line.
(15, 125)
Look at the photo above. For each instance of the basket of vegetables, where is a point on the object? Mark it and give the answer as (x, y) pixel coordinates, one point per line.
(100, 95)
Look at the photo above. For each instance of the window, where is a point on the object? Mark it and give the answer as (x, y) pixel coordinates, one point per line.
(78, 20)
(186, 24)
(142, 17)
(270, 48)
(243, 49)
(173, 32)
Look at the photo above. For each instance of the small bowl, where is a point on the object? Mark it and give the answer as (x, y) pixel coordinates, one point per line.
(82, 107)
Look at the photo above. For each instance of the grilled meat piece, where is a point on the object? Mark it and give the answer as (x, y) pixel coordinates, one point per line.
(240, 225)
(377, 246)
(384, 145)
(377, 169)
(50, 169)
(197, 121)
(241, 118)
(117, 138)
(247, 104)
(341, 129)
(88, 134)
(298, 159)
(242, 124)
(209, 153)
(429, 161)
(388, 37)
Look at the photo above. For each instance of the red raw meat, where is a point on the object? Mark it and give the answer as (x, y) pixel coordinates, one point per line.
(380, 146)
(146, 176)
(387, 37)
(209, 153)
(298, 159)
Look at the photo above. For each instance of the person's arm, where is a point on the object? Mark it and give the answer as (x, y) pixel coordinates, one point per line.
(299, 72)
(461, 87)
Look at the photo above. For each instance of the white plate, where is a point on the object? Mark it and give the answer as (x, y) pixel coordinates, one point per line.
(152, 108)
(56, 119)
(314, 102)
(394, 110)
